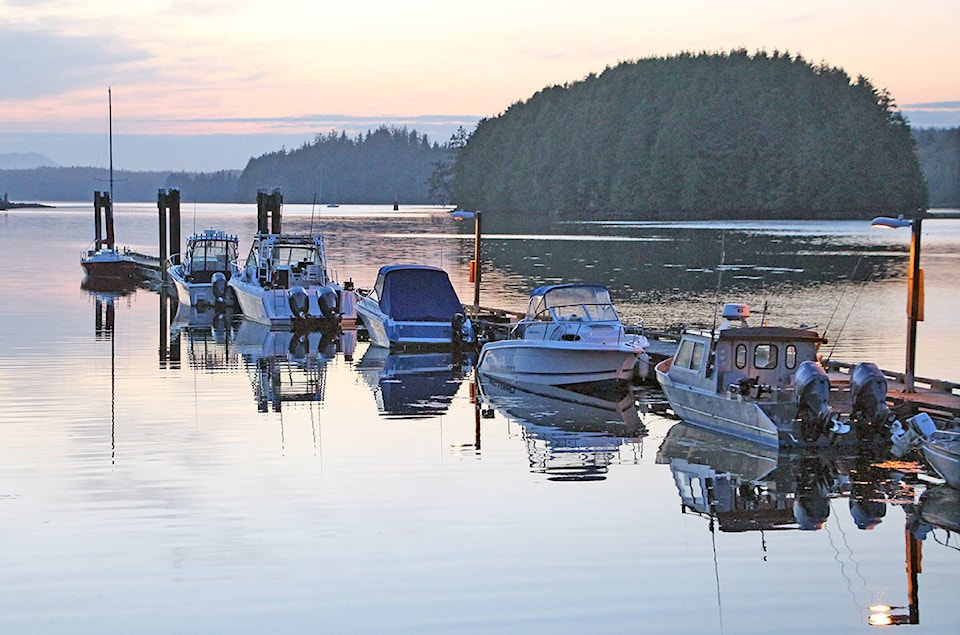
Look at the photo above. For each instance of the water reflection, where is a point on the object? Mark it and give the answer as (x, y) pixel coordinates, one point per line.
(569, 435)
(285, 366)
(740, 486)
(413, 384)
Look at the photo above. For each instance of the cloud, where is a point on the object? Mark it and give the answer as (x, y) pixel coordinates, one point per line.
(934, 114)
(41, 64)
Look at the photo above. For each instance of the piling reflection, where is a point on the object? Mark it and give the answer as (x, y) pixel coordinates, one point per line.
(570, 436)
(413, 385)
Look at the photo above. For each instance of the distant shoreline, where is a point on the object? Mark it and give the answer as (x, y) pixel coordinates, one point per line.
(6, 205)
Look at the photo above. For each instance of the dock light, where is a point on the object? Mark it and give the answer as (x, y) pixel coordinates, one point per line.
(462, 215)
(915, 289)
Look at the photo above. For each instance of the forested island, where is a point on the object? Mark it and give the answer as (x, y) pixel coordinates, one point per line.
(698, 136)
(691, 136)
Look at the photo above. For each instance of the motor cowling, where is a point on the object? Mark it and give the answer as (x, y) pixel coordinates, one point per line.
(299, 302)
(327, 300)
(461, 330)
(868, 391)
(812, 395)
(218, 284)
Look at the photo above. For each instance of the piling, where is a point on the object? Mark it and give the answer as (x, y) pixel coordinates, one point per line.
(168, 206)
(103, 206)
(269, 219)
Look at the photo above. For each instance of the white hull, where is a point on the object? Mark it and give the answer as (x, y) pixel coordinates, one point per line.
(942, 451)
(557, 363)
(193, 293)
(270, 306)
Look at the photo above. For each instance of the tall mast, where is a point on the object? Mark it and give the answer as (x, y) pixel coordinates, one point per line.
(110, 117)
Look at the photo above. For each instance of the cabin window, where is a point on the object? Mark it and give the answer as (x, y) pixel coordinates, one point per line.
(765, 356)
(690, 355)
(741, 357)
(790, 355)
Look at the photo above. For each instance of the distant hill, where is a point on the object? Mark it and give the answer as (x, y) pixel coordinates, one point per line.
(697, 136)
(24, 161)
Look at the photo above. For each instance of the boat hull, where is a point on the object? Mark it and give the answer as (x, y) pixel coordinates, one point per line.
(942, 452)
(735, 416)
(557, 363)
(386, 332)
(197, 294)
(271, 306)
(111, 265)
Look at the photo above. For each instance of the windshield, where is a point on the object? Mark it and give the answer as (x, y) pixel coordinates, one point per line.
(586, 302)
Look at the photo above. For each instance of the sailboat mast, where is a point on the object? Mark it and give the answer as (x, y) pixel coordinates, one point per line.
(110, 122)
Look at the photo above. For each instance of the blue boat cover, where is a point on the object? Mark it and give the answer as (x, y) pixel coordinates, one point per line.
(417, 293)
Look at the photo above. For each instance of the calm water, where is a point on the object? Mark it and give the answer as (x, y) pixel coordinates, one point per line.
(187, 477)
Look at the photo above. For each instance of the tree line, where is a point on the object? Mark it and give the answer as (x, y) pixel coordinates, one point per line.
(697, 135)
(690, 136)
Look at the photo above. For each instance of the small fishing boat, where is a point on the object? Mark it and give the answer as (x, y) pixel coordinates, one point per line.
(942, 451)
(571, 334)
(200, 274)
(766, 384)
(414, 305)
(284, 281)
(939, 444)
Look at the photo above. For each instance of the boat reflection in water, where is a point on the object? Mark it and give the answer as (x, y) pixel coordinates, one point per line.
(569, 436)
(413, 384)
(209, 335)
(287, 366)
(741, 486)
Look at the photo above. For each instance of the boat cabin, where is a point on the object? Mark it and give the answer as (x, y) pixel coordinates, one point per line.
(208, 253)
(745, 357)
(563, 302)
(287, 260)
(416, 293)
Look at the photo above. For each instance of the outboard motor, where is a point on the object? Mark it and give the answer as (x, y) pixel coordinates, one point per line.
(868, 390)
(218, 283)
(461, 331)
(299, 303)
(327, 299)
(812, 394)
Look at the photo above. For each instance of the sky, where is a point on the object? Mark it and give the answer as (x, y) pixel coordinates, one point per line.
(206, 84)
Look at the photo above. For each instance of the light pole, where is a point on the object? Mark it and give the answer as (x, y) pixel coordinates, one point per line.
(475, 265)
(915, 291)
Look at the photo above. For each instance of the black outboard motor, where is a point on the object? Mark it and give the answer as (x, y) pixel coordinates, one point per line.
(812, 394)
(868, 390)
(218, 283)
(299, 303)
(327, 299)
(461, 331)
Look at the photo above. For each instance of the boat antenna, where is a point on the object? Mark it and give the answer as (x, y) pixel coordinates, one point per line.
(842, 293)
(716, 568)
(716, 299)
(844, 323)
(312, 208)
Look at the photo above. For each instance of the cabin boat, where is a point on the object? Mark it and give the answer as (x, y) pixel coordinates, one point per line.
(201, 272)
(571, 335)
(284, 281)
(414, 305)
(766, 384)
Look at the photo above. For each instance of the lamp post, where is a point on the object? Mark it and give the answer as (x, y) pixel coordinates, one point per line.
(475, 268)
(915, 292)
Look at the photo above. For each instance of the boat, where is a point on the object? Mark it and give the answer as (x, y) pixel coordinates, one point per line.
(414, 305)
(766, 384)
(571, 335)
(200, 274)
(104, 264)
(939, 444)
(284, 281)
(942, 451)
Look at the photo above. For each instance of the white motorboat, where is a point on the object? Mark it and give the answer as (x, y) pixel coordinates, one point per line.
(201, 272)
(284, 281)
(571, 335)
(766, 384)
(414, 305)
(939, 444)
